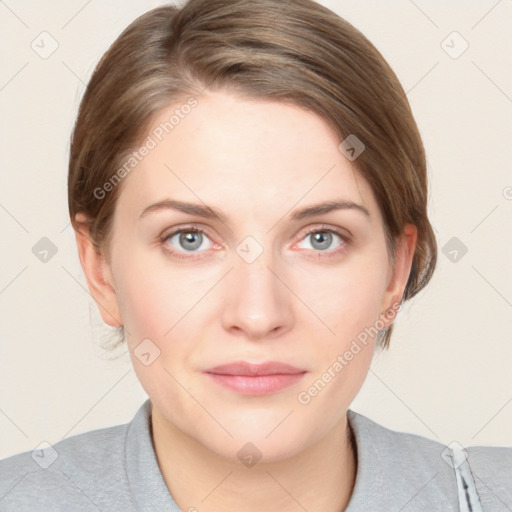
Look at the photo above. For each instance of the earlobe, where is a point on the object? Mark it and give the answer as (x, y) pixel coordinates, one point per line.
(97, 272)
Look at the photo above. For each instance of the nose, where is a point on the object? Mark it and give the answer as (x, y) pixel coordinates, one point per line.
(257, 302)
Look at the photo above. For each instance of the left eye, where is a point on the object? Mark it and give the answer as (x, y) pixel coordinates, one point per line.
(322, 239)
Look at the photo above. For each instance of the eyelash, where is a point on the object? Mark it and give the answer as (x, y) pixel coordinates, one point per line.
(195, 256)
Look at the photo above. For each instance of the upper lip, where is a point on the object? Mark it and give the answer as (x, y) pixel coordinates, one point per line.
(250, 369)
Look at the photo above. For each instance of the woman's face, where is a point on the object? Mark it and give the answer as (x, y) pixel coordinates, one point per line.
(269, 281)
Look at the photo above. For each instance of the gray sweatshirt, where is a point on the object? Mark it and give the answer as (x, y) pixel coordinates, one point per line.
(115, 469)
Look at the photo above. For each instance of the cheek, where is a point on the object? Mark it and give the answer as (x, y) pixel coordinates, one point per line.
(154, 295)
(345, 299)
(154, 300)
(349, 305)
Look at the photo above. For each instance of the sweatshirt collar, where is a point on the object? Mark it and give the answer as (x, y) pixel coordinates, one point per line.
(383, 479)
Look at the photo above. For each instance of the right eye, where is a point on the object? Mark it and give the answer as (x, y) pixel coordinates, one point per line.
(185, 240)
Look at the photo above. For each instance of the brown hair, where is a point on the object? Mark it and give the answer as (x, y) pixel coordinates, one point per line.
(305, 55)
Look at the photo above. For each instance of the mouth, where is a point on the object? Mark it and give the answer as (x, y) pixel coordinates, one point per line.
(255, 379)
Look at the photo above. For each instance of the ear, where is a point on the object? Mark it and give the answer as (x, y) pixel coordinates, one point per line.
(97, 272)
(399, 273)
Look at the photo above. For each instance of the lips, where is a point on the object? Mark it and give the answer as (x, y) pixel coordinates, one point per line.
(253, 370)
(255, 379)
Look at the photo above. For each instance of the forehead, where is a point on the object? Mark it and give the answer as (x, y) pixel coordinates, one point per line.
(255, 156)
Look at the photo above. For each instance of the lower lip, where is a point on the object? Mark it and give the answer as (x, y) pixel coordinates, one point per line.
(258, 385)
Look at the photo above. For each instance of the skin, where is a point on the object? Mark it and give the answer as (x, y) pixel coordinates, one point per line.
(256, 161)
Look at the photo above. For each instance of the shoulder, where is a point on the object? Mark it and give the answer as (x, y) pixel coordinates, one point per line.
(79, 473)
(491, 469)
(417, 472)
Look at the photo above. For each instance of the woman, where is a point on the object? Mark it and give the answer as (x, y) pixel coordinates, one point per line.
(248, 190)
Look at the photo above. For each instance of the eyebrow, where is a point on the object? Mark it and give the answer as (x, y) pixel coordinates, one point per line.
(208, 212)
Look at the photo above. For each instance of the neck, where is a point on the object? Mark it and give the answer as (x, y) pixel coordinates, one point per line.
(320, 477)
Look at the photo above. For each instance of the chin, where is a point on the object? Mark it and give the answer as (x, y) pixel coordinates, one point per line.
(251, 448)
(276, 439)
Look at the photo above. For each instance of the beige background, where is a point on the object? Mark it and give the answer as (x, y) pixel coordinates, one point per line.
(448, 373)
